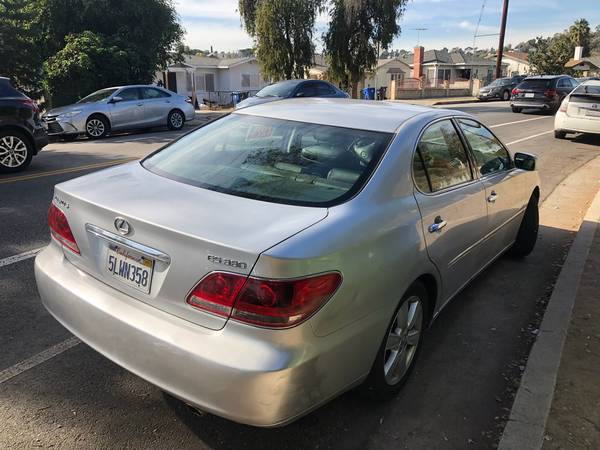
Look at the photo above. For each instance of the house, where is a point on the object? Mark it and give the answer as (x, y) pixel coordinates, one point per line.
(318, 69)
(589, 65)
(517, 63)
(386, 71)
(440, 67)
(213, 78)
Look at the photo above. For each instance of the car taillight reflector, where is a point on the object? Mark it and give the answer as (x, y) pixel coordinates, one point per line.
(60, 229)
(515, 91)
(564, 105)
(263, 302)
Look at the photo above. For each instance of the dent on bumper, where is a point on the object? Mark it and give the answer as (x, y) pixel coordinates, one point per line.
(231, 372)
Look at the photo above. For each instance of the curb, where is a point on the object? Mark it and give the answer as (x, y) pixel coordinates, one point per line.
(455, 102)
(530, 410)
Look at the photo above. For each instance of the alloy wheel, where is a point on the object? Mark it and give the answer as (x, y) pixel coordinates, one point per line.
(95, 127)
(403, 340)
(13, 151)
(176, 120)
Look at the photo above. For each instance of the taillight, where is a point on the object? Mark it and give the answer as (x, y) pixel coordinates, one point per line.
(550, 93)
(60, 229)
(515, 91)
(264, 302)
(30, 104)
(564, 105)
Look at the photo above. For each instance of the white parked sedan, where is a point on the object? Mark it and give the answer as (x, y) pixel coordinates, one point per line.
(579, 111)
(279, 256)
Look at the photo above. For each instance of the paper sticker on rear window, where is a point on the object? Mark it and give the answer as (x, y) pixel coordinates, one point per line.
(259, 132)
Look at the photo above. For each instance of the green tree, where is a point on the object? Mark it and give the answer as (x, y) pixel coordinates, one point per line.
(283, 34)
(579, 34)
(357, 29)
(20, 56)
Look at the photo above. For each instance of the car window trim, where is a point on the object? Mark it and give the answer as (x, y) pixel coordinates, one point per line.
(472, 154)
(449, 188)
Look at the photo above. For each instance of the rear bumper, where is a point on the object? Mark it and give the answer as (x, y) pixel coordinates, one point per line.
(532, 104)
(40, 138)
(563, 122)
(246, 374)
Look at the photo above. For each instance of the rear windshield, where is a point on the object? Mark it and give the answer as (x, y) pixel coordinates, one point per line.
(536, 84)
(587, 89)
(273, 160)
(281, 89)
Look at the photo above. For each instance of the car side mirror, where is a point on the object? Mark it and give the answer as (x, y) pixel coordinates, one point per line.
(525, 161)
(116, 99)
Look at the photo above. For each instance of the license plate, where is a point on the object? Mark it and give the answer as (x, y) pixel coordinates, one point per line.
(130, 267)
(529, 95)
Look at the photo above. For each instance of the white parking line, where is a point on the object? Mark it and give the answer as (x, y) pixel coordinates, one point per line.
(530, 137)
(520, 121)
(20, 257)
(38, 359)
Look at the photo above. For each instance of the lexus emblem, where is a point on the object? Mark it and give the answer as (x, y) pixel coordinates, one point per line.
(122, 226)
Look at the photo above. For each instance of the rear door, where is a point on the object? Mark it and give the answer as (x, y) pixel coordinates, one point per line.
(452, 204)
(129, 112)
(503, 186)
(157, 104)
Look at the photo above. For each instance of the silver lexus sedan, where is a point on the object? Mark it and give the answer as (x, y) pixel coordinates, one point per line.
(279, 256)
(119, 108)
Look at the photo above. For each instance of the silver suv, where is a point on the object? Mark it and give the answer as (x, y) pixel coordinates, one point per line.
(119, 108)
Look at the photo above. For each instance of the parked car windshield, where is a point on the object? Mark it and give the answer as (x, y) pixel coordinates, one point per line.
(283, 89)
(97, 96)
(535, 83)
(499, 82)
(273, 160)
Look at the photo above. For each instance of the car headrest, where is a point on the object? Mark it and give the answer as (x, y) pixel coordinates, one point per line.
(343, 175)
(321, 153)
(365, 149)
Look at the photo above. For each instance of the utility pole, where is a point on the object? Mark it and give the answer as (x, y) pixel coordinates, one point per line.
(501, 41)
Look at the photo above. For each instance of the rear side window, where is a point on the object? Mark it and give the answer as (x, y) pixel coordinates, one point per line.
(536, 84)
(6, 90)
(490, 155)
(324, 89)
(441, 160)
(273, 160)
(150, 93)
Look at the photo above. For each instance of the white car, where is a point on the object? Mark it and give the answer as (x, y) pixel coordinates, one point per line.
(579, 111)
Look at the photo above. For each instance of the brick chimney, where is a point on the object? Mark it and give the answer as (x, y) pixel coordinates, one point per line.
(418, 62)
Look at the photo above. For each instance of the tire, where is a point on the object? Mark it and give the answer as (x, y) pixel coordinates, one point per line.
(528, 231)
(97, 127)
(16, 151)
(175, 120)
(383, 381)
(515, 109)
(506, 96)
(559, 134)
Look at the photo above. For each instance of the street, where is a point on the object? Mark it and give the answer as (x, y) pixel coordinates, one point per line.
(57, 392)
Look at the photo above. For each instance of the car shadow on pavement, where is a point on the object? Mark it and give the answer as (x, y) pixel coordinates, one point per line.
(581, 138)
(464, 383)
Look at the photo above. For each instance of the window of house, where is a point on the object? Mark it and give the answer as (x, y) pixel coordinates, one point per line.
(397, 76)
(444, 74)
(200, 84)
(245, 80)
(210, 82)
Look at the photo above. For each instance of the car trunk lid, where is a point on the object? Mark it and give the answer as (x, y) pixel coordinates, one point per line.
(179, 232)
(585, 103)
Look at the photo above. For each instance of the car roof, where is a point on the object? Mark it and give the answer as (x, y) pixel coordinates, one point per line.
(546, 77)
(385, 116)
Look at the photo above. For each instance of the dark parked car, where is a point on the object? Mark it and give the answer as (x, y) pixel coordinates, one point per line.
(22, 134)
(543, 92)
(293, 89)
(500, 88)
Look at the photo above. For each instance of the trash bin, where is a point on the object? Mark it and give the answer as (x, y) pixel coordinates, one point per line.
(235, 97)
(369, 93)
(381, 93)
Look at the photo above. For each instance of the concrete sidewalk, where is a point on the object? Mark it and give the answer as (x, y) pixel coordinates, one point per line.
(574, 420)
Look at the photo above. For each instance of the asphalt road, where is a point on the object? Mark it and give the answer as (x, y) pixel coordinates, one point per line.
(459, 395)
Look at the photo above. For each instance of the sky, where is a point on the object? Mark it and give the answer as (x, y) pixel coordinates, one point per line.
(449, 23)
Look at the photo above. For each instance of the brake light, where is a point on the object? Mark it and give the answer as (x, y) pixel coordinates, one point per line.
(30, 104)
(60, 229)
(264, 302)
(515, 91)
(564, 105)
(550, 93)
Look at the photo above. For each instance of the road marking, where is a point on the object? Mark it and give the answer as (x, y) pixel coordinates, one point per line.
(66, 170)
(519, 121)
(529, 137)
(20, 257)
(38, 359)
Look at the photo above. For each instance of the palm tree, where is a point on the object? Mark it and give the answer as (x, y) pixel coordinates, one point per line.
(579, 34)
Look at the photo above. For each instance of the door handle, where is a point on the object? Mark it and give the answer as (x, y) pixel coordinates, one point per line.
(437, 224)
(492, 197)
